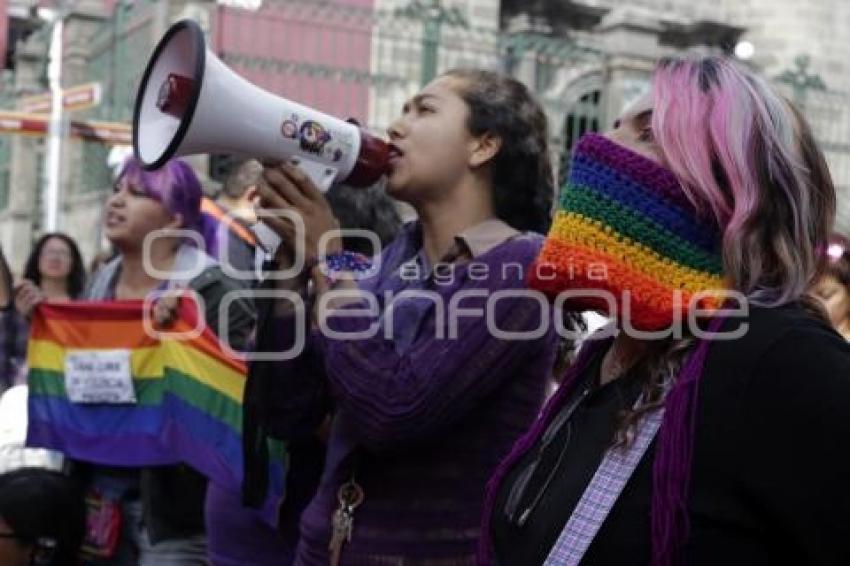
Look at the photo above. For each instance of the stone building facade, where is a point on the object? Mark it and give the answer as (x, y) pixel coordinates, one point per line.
(586, 60)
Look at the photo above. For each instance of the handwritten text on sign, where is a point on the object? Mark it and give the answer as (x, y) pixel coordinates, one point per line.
(99, 376)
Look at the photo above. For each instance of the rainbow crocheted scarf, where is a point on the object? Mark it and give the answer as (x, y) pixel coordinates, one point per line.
(626, 234)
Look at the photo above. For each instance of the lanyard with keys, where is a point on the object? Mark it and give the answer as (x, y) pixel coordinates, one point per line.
(350, 496)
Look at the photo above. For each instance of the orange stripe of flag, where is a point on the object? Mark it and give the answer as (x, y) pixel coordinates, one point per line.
(77, 326)
(94, 334)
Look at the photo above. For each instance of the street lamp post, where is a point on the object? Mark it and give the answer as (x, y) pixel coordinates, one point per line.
(53, 165)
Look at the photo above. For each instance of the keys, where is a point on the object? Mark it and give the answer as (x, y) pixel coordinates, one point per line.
(350, 495)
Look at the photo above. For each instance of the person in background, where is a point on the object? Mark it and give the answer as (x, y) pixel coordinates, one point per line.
(13, 330)
(172, 523)
(722, 437)
(54, 270)
(228, 220)
(239, 191)
(833, 288)
(421, 414)
(42, 518)
(162, 507)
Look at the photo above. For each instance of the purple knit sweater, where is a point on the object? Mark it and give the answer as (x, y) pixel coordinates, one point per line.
(423, 421)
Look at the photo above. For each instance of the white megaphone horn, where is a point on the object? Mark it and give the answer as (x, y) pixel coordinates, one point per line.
(189, 102)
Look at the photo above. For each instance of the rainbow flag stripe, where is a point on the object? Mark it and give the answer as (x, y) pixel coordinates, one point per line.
(625, 224)
(188, 395)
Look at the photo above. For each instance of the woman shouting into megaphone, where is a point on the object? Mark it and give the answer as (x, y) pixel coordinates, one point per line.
(431, 357)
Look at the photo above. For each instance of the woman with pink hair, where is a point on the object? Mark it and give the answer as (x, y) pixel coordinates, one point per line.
(709, 426)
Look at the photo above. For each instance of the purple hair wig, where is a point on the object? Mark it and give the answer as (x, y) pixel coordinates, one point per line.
(174, 185)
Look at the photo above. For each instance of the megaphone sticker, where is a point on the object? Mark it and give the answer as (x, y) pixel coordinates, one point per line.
(313, 137)
(289, 128)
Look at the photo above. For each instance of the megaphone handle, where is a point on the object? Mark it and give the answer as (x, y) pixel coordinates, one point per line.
(322, 176)
(320, 173)
(269, 240)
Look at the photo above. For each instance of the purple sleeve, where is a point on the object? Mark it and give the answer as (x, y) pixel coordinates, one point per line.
(396, 395)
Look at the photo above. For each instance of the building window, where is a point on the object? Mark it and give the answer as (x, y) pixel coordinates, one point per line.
(583, 118)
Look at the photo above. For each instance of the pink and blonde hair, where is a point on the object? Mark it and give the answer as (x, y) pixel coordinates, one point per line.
(838, 259)
(745, 155)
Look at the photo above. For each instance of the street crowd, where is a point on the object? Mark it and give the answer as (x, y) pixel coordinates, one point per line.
(433, 394)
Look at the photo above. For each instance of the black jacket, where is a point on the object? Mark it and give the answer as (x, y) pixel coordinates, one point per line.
(173, 496)
(770, 468)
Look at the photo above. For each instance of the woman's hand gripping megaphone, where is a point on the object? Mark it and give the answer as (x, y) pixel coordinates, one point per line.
(288, 196)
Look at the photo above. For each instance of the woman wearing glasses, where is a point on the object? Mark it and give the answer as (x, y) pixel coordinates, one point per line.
(54, 271)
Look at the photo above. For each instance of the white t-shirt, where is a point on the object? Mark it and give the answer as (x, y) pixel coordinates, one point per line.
(13, 435)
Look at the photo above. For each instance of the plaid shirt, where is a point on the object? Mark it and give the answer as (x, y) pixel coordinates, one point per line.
(14, 333)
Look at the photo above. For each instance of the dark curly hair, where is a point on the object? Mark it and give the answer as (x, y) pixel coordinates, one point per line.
(523, 179)
(77, 275)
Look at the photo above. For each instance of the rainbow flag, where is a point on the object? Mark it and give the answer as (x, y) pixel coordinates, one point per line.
(186, 395)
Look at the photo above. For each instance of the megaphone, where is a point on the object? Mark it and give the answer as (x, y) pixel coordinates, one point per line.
(189, 102)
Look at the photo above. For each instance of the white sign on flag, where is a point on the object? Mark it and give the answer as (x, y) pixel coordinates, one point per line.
(99, 376)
